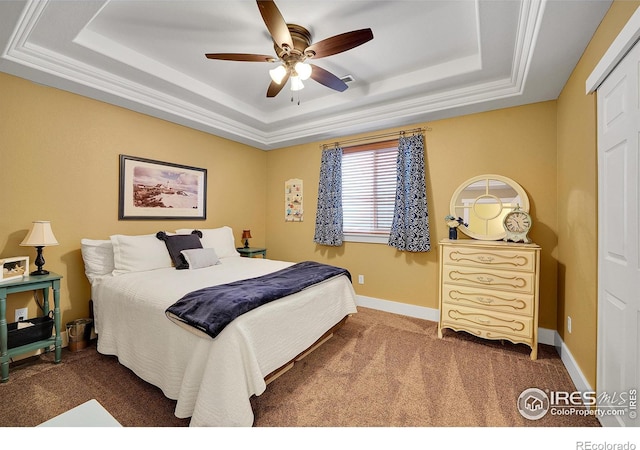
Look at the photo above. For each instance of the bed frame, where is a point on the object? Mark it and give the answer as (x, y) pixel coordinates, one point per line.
(324, 338)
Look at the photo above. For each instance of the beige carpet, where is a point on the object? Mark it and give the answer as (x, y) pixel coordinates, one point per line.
(380, 369)
(383, 369)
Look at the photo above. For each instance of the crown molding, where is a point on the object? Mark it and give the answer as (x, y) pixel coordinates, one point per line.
(32, 61)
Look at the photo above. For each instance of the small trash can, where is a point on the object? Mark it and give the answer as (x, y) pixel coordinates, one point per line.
(79, 333)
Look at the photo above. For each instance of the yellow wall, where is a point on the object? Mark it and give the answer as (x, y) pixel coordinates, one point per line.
(578, 195)
(519, 143)
(59, 162)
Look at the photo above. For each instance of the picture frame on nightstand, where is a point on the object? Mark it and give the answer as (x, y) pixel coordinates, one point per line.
(14, 268)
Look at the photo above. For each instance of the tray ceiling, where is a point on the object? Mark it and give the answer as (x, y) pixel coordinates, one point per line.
(428, 60)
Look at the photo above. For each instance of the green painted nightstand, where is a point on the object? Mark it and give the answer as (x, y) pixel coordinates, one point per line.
(250, 252)
(30, 283)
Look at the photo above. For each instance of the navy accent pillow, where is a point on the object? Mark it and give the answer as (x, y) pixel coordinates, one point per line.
(178, 242)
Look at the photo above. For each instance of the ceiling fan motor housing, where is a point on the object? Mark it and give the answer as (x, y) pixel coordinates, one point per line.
(301, 41)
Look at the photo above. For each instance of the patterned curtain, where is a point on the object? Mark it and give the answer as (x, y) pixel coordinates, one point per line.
(329, 214)
(410, 227)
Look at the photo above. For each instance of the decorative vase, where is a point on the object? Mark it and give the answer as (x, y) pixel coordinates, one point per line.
(453, 233)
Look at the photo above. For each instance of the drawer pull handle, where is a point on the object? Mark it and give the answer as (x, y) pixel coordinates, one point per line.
(485, 259)
(499, 259)
(487, 280)
(495, 322)
(484, 300)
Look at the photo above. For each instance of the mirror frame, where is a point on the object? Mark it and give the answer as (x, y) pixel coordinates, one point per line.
(524, 205)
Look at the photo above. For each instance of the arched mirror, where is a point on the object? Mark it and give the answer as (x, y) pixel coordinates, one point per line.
(483, 201)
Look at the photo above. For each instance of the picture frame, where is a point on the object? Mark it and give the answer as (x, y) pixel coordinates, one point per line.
(159, 190)
(293, 195)
(14, 268)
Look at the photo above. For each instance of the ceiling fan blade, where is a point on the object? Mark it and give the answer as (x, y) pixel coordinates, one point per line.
(240, 57)
(339, 43)
(275, 88)
(275, 23)
(328, 79)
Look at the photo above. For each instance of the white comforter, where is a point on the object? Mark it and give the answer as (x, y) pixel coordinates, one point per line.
(211, 379)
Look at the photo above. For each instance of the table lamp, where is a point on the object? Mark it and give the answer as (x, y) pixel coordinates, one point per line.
(246, 235)
(40, 236)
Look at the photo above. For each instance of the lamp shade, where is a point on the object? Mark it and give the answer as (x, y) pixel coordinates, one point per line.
(296, 84)
(40, 235)
(278, 74)
(303, 70)
(246, 234)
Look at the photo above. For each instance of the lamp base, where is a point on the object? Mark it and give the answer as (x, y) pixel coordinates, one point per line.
(40, 272)
(39, 263)
(246, 243)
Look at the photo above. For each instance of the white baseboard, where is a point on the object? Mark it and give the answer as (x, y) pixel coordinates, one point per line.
(403, 309)
(545, 336)
(571, 365)
(579, 379)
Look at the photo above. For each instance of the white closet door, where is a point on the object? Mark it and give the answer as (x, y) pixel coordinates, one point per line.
(618, 240)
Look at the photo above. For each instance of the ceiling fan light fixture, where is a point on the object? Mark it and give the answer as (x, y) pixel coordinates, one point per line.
(303, 70)
(296, 84)
(278, 74)
(293, 46)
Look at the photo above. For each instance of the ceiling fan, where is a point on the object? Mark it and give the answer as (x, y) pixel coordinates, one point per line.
(292, 44)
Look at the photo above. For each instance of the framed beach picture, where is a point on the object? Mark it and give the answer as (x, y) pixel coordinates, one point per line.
(160, 190)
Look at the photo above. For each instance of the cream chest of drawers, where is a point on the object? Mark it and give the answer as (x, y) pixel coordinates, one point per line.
(490, 289)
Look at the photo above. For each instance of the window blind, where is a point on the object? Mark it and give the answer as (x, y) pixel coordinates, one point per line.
(369, 187)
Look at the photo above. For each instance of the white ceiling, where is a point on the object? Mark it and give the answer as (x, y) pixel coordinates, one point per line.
(428, 59)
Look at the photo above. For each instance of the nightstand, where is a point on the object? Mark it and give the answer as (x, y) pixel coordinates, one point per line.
(250, 252)
(30, 283)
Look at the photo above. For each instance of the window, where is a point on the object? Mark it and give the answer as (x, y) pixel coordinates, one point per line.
(369, 191)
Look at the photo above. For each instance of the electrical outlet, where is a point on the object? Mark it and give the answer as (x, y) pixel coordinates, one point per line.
(360, 279)
(569, 324)
(22, 314)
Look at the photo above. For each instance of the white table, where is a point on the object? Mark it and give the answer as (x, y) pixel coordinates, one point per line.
(89, 414)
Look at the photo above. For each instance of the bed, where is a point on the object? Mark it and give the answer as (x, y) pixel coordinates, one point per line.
(133, 282)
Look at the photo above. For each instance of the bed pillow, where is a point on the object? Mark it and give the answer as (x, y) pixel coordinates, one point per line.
(177, 242)
(220, 239)
(139, 253)
(97, 256)
(199, 258)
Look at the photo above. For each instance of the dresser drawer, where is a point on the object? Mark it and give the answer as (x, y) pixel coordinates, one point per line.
(493, 323)
(495, 279)
(516, 259)
(507, 302)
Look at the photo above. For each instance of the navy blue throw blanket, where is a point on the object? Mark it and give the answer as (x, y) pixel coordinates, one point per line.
(212, 308)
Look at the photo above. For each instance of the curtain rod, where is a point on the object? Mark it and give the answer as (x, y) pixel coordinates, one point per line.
(377, 136)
